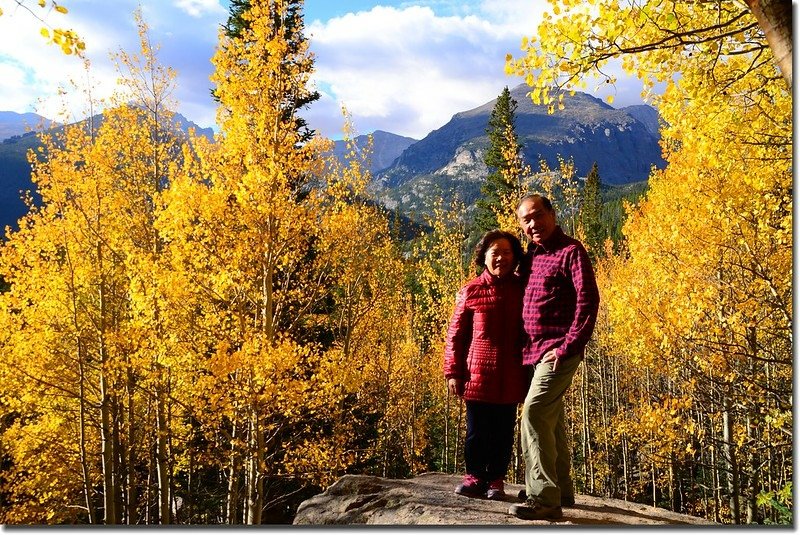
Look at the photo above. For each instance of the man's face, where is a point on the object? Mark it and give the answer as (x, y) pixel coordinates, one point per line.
(536, 221)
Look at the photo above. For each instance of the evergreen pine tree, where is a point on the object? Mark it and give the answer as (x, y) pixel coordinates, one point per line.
(591, 215)
(501, 145)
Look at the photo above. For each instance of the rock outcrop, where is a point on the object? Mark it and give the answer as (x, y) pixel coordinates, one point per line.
(429, 499)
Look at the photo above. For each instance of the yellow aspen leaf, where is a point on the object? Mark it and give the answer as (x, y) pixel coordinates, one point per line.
(61, 9)
(45, 33)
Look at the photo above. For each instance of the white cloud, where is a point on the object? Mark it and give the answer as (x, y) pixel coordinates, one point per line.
(15, 82)
(406, 70)
(408, 67)
(38, 65)
(520, 17)
(198, 8)
(108, 27)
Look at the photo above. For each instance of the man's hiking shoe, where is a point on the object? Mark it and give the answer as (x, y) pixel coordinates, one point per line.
(496, 490)
(471, 486)
(566, 501)
(533, 510)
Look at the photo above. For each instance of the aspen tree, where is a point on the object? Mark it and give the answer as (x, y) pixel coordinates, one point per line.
(100, 185)
(241, 225)
(441, 264)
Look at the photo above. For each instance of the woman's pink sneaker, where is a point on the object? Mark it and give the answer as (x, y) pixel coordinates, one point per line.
(496, 490)
(471, 486)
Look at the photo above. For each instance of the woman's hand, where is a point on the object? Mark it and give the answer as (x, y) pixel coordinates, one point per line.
(452, 386)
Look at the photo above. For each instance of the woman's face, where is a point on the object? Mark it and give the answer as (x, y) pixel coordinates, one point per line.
(499, 259)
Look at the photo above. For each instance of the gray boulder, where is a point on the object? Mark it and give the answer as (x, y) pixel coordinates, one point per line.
(429, 499)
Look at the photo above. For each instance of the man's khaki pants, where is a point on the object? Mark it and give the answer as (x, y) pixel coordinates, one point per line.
(544, 439)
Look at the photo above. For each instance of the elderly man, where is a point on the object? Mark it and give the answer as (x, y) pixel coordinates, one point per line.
(559, 314)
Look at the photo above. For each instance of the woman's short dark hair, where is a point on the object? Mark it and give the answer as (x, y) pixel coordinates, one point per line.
(492, 236)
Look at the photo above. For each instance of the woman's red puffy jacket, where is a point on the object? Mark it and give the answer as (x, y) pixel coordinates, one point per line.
(483, 350)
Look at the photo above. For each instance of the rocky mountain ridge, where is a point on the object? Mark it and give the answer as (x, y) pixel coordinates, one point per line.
(15, 171)
(18, 124)
(448, 162)
(624, 142)
(386, 147)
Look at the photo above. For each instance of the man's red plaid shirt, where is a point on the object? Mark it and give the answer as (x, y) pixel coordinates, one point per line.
(561, 298)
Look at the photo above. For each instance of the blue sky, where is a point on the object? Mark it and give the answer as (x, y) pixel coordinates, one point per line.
(400, 66)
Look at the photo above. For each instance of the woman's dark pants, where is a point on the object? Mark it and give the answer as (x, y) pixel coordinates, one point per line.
(490, 439)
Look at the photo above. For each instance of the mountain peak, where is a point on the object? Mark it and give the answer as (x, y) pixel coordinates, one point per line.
(17, 124)
(587, 130)
(581, 102)
(17, 132)
(386, 147)
(448, 162)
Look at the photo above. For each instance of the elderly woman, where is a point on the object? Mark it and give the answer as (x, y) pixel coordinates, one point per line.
(483, 362)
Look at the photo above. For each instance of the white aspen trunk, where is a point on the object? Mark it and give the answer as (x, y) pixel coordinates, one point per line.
(752, 477)
(587, 431)
(715, 477)
(131, 492)
(625, 469)
(604, 407)
(148, 489)
(458, 435)
(232, 496)
(732, 464)
(118, 460)
(255, 480)
(260, 464)
(653, 481)
(87, 491)
(162, 457)
(624, 439)
(106, 420)
(386, 401)
(414, 421)
(775, 19)
(672, 493)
